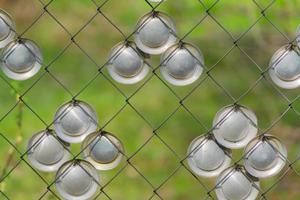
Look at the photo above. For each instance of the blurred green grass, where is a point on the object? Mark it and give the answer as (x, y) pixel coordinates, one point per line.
(235, 72)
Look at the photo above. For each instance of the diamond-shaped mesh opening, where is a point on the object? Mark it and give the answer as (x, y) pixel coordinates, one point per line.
(154, 120)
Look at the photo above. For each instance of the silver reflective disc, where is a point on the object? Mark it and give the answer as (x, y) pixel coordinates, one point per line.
(21, 59)
(103, 150)
(207, 158)
(7, 29)
(46, 152)
(155, 32)
(284, 68)
(234, 126)
(182, 64)
(77, 180)
(73, 121)
(127, 64)
(265, 156)
(235, 184)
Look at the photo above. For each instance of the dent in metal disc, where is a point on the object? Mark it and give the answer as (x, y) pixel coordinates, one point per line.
(155, 33)
(236, 184)
(182, 64)
(45, 151)
(265, 156)
(207, 158)
(77, 180)
(284, 68)
(103, 150)
(127, 65)
(21, 59)
(73, 121)
(7, 29)
(234, 126)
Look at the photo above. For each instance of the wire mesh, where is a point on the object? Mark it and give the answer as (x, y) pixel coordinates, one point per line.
(156, 133)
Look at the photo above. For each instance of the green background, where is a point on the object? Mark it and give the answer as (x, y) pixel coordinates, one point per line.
(237, 72)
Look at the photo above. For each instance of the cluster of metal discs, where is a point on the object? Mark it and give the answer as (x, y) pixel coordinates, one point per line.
(49, 150)
(234, 127)
(284, 67)
(155, 34)
(20, 58)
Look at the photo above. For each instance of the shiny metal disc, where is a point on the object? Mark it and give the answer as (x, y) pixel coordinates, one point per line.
(45, 151)
(236, 184)
(207, 158)
(21, 59)
(77, 180)
(103, 150)
(73, 121)
(182, 64)
(155, 33)
(127, 65)
(284, 68)
(265, 156)
(234, 126)
(7, 29)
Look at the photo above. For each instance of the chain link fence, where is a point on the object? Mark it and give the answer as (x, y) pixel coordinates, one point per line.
(154, 120)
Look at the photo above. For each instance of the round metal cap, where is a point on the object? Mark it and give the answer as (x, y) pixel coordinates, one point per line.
(45, 151)
(127, 65)
(206, 157)
(155, 33)
(234, 126)
(103, 150)
(182, 64)
(7, 29)
(284, 68)
(265, 156)
(235, 184)
(77, 180)
(21, 59)
(73, 121)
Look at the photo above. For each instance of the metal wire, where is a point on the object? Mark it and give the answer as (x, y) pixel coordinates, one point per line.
(129, 103)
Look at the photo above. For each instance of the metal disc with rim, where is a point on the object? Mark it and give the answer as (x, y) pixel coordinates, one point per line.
(155, 33)
(103, 150)
(21, 59)
(126, 64)
(207, 158)
(182, 64)
(74, 120)
(45, 151)
(235, 183)
(234, 126)
(77, 180)
(7, 29)
(265, 156)
(284, 67)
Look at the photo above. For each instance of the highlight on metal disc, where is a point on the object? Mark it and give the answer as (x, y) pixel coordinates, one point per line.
(45, 151)
(284, 67)
(207, 158)
(21, 59)
(103, 150)
(77, 180)
(155, 33)
(182, 64)
(7, 29)
(235, 183)
(126, 64)
(265, 156)
(75, 120)
(234, 126)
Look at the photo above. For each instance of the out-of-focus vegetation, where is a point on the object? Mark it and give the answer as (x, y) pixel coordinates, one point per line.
(236, 72)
